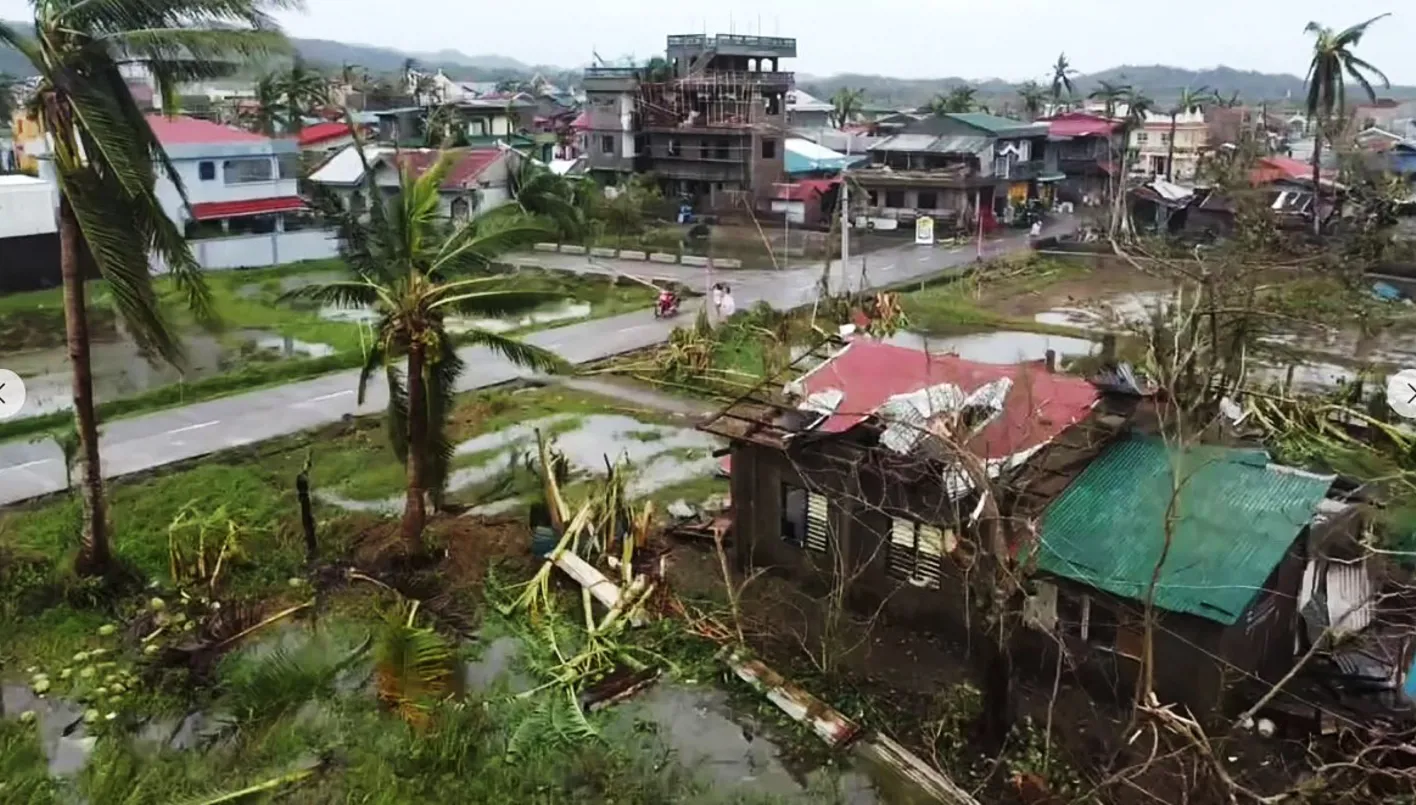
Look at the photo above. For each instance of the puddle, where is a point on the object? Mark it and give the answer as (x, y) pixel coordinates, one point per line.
(119, 369)
(1001, 347)
(494, 666)
(62, 736)
(561, 312)
(289, 347)
(662, 455)
(291, 283)
(349, 315)
(729, 752)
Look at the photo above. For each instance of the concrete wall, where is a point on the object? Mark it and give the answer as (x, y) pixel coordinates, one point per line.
(260, 251)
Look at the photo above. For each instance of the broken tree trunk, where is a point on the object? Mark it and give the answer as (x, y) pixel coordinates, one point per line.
(617, 687)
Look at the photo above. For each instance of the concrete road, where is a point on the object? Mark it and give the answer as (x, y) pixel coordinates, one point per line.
(29, 469)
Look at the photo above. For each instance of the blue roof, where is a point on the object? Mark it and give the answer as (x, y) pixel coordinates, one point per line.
(805, 156)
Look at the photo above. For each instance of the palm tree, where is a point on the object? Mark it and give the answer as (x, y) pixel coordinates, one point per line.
(960, 99)
(406, 268)
(7, 98)
(1327, 87)
(1189, 100)
(305, 92)
(542, 195)
(1062, 73)
(1138, 105)
(1110, 95)
(270, 114)
(106, 157)
(846, 106)
(1032, 97)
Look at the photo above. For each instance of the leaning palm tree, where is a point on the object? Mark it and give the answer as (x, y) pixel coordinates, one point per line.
(106, 158)
(1138, 105)
(1327, 87)
(958, 100)
(1188, 101)
(846, 106)
(1033, 97)
(1110, 95)
(1062, 73)
(304, 91)
(412, 272)
(270, 112)
(542, 195)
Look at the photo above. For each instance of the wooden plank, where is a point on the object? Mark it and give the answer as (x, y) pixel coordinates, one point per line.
(885, 751)
(829, 725)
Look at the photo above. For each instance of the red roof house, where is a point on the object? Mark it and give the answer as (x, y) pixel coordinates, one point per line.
(1080, 124)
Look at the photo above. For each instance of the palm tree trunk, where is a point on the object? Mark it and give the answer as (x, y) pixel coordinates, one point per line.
(1170, 153)
(415, 513)
(1317, 188)
(94, 555)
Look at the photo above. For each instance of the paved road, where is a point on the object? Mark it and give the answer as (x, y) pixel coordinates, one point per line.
(130, 445)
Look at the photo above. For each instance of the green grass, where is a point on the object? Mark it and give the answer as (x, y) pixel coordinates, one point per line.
(957, 306)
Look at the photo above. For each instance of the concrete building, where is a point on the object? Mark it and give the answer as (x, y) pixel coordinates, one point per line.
(805, 111)
(245, 209)
(1150, 145)
(948, 167)
(478, 179)
(711, 125)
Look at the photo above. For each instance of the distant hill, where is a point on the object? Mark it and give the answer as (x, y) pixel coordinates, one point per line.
(375, 59)
(1160, 82)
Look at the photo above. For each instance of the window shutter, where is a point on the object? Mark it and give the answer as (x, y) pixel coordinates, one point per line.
(899, 562)
(816, 522)
(930, 553)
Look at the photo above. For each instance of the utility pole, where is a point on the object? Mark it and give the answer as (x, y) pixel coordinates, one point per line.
(845, 223)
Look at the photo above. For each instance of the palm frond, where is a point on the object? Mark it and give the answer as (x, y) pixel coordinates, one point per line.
(372, 362)
(397, 422)
(412, 667)
(518, 352)
(490, 303)
(344, 293)
(475, 244)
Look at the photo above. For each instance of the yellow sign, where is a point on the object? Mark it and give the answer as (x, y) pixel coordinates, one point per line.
(924, 230)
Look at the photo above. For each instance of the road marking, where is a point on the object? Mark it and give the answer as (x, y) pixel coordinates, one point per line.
(925, 259)
(27, 464)
(956, 250)
(887, 268)
(323, 397)
(194, 427)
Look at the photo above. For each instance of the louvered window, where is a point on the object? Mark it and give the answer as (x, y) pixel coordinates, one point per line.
(917, 551)
(804, 518)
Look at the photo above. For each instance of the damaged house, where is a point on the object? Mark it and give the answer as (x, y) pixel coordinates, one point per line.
(859, 480)
(1227, 589)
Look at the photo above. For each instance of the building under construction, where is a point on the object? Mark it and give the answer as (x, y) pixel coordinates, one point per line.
(710, 121)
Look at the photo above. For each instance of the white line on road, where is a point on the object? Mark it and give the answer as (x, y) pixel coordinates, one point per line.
(887, 268)
(924, 259)
(324, 397)
(198, 426)
(26, 464)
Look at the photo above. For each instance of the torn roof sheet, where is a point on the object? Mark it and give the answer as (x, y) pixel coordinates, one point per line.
(1037, 406)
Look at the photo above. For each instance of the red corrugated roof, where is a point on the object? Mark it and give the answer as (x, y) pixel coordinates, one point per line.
(1080, 124)
(1272, 169)
(466, 166)
(804, 189)
(215, 210)
(582, 121)
(1039, 407)
(182, 130)
(322, 132)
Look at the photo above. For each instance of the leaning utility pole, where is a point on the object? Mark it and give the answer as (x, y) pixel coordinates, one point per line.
(845, 223)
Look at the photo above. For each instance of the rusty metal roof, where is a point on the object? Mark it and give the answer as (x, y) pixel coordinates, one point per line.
(1237, 515)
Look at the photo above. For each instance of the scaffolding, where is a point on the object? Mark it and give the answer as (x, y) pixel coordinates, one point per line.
(730, 100)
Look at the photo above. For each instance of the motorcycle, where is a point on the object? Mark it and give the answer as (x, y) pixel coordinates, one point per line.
(667, 305)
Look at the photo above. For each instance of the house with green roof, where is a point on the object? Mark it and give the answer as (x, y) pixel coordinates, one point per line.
(951, 166)
(1213, 535)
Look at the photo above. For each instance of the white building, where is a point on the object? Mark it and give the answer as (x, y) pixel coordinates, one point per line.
(478, 179)
(1150, 145)
(245, 209)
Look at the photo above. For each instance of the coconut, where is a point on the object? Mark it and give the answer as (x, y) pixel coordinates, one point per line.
(106, 629)
(91, 716)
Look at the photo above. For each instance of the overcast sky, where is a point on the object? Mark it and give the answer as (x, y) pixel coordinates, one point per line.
(1012, 39)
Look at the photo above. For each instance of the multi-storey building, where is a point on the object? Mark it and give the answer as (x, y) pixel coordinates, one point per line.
(710, 121)
(1151, 150)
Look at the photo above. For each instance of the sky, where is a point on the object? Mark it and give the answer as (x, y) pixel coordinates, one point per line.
(1010, 39)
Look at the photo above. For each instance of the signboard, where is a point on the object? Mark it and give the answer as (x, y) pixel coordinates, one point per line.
(924, 231)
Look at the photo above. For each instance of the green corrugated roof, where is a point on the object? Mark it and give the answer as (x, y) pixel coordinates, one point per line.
(1236, 516)
(995, 124)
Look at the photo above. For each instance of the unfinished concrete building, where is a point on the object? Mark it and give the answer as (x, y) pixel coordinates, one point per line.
(710, 122)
